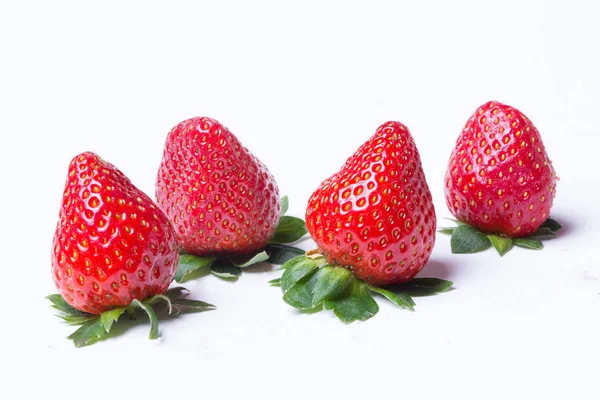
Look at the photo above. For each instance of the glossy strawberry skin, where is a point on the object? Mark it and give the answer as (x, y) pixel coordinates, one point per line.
(112, 244)
(219, 197)
(499, 177)
(376, 214)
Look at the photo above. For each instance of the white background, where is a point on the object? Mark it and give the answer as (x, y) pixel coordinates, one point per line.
(303, 85)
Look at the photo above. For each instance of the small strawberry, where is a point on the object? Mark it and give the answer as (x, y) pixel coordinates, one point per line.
(219, 197)
(113, 247)
(376, 218)
(500, 180)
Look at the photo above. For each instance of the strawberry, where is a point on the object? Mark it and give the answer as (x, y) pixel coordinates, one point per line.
(499, 177)
(376, 214)
(114, 251)
(112, 244)
(219, 197)
(500, 180)
(375, 217)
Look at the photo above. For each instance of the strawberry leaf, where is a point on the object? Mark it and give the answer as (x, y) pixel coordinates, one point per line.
(96, 327)
(281, 253)
(160, 297)
(401, 299)
(420, 287)
(285, 203)
(466, 239)
(107, 318)
(275, 282)
(330, 283)
(356, 304)
(88, 333)
(553, 225)
(224, 269)
(447, 231)
(300, 294)
(309, 285)
(60, 304)
(528, 243)
(246, 261)
(77, 319)
(151, 316)
(501, 244)
(543, 233)
(295, 270)
(195, 305)
(176, 292)
(289, 230)
(189, 263)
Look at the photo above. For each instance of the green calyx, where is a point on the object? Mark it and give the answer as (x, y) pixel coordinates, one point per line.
(229, 267)
(465, 239)
(310, 284)
(93, 328)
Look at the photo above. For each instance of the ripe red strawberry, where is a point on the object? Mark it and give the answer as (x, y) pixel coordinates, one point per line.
(499, 178)
(376, 215)
(219, 197)
(112, 244)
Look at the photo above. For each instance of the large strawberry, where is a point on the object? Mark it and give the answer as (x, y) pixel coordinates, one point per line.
(500, 180)
(221, 199)
(113, 248)
(376, 218)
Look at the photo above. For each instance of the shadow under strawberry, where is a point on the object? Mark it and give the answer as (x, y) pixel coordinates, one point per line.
(229, 267)
(465, 239)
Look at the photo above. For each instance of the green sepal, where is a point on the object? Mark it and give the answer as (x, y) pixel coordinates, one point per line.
(420, 287)
(543, 233)
(151, 316)
(88, 333)
(246, 261)
(162, 298)
(176, 292)
(107, 318)
(275, 282)
(293, 261)
(525, 243)
(59, 303)
(318, 285)
(95, 327)
(81, 319)
(191, 305)
(466, 239)
(551, 224)
(356, 304)
(289, 230)
(295, 270)
(189, 263)
(309, 284)
(401, 299)
(281, 253)
(285, 203)
(501, 244)
(225, 270)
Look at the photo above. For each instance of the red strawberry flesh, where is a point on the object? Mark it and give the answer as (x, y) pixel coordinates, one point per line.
(376, 214)
(499, 177)
(112, 243)
(219, 197)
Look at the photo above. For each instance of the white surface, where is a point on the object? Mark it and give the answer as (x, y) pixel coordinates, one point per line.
(303, 86)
